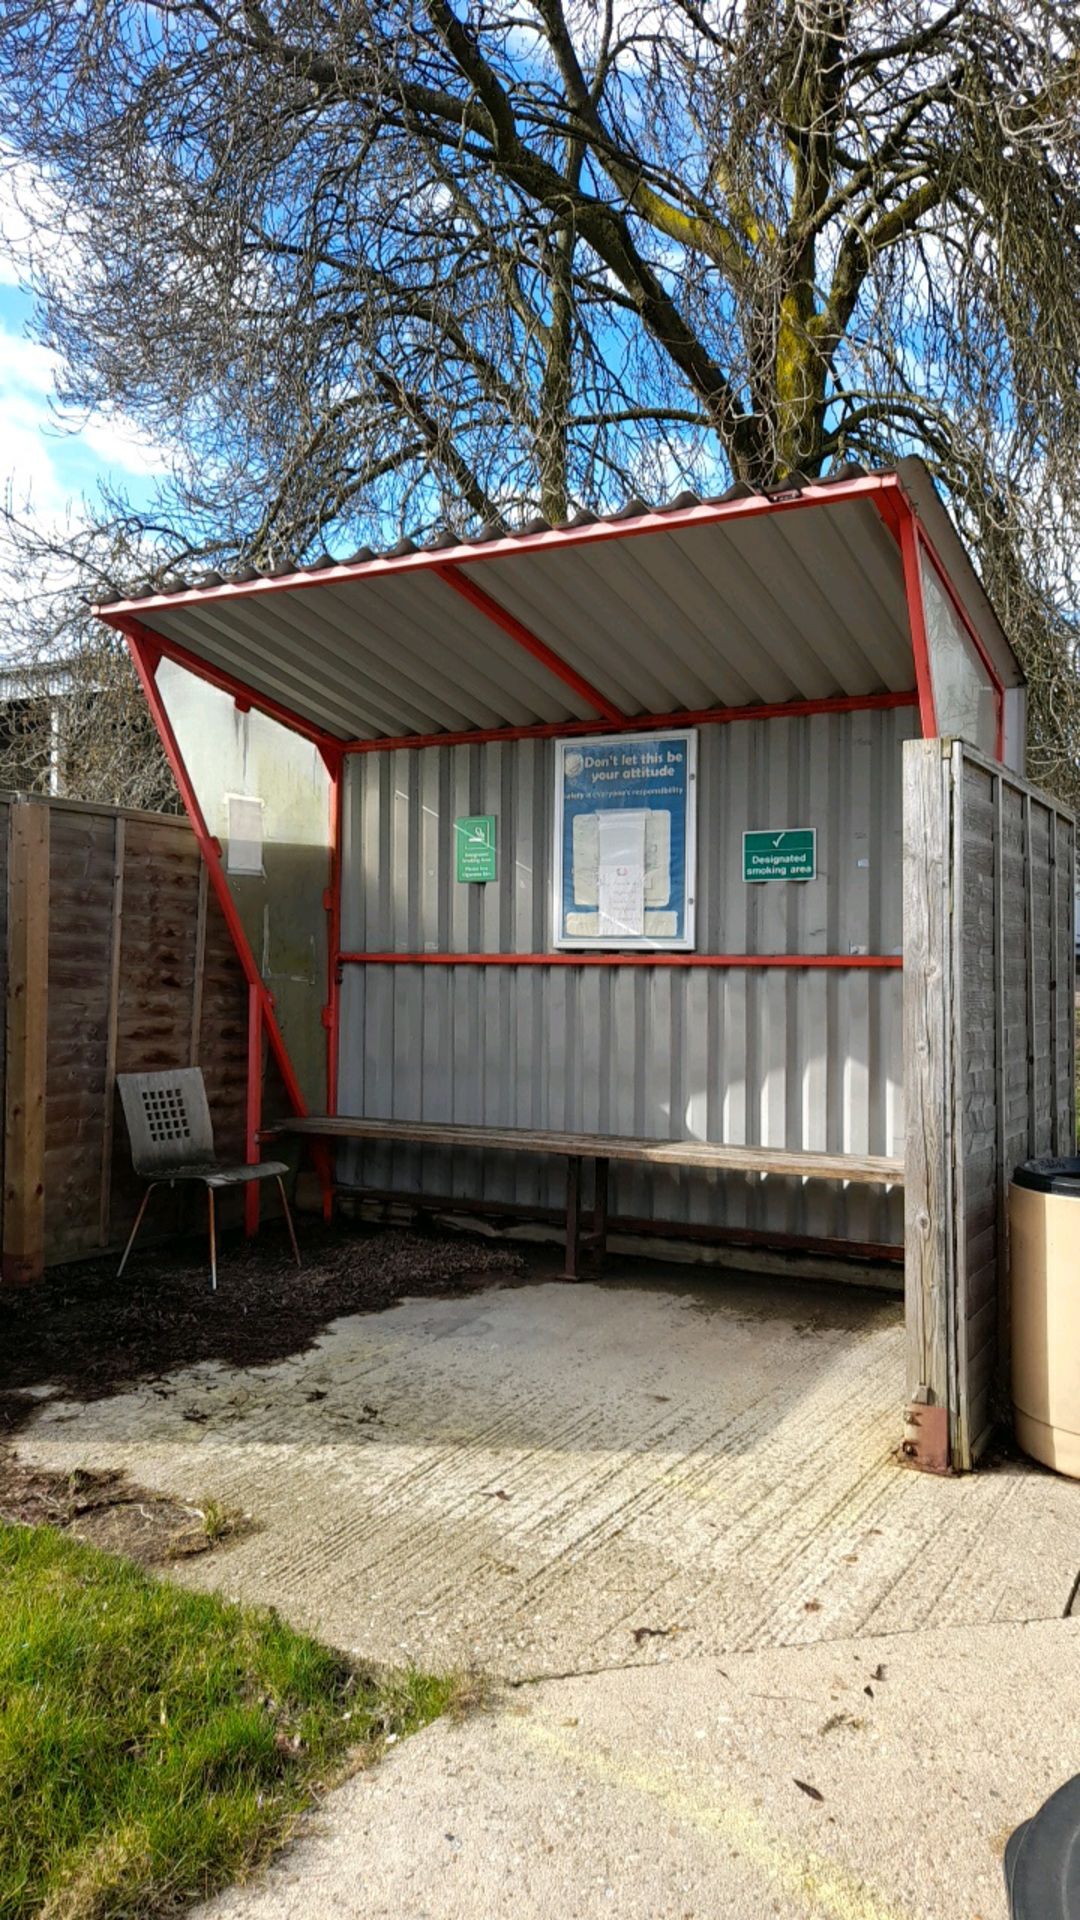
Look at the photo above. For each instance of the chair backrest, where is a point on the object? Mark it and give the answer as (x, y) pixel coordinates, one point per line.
(168, 1119)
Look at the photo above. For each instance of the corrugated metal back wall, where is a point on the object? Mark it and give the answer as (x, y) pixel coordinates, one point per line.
(802, 1058)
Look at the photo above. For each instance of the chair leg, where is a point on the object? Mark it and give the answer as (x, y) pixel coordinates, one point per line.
(288, 1217)
(213, 1241)
(138, 1224)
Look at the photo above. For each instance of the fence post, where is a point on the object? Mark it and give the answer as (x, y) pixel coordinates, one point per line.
(23, 1257)
(929, 1198)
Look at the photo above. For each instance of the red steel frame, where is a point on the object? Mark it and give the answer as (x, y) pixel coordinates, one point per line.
(499, 617)
(253, 1107)
(914, 541)
(328, 744)
(332, 903)
(640, 722)
(926, 544)
(148, 647)
(145, 653)
(878, 487)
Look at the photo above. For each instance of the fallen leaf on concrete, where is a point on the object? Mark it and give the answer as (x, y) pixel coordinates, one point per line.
(853, 1721)
(811, 1792)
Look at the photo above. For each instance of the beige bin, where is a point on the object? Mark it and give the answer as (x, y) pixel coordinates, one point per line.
(1044, 1242)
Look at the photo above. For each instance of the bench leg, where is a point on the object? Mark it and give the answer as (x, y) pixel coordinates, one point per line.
(600, 1213)
(573, 1216)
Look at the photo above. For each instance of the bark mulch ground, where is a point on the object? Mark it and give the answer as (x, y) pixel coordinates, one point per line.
(83, 1334)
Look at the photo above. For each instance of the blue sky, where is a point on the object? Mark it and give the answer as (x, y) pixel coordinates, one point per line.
(51, 459)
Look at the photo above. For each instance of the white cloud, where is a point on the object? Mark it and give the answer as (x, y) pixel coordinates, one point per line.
(46, 458)
(31, 217)
(28, 464)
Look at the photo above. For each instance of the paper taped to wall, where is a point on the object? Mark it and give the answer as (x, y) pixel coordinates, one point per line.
(244, 852)
(586, 848)
(620, 873)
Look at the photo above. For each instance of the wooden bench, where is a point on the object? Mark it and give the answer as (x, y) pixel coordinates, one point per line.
(601, 1149)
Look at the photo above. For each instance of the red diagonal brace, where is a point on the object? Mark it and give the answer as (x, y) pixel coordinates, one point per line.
(144, 666)
(499, 616)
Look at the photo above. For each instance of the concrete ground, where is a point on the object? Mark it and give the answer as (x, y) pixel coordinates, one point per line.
(682, 1494)
(673, 1792)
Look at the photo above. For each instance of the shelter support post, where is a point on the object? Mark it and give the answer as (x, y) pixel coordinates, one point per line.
(920, 646)
(27, 1008)
(929, 1204)
(332, 903)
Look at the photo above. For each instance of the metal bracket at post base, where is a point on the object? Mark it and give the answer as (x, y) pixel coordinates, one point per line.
(926, 1435)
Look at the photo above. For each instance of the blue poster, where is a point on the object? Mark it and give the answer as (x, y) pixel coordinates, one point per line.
(624, 840)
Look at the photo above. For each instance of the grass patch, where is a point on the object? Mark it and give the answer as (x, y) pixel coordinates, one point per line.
(155, 1743)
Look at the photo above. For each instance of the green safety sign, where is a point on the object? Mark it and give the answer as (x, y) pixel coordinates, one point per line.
(474, 838)
(787, 854)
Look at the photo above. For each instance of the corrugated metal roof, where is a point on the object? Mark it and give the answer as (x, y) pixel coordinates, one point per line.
(731, 602)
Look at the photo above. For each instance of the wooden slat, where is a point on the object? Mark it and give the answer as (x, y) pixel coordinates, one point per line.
(200, 965)
(929, 1225)
(82, 858)
(1055, 1145)
(109, 1090)
(1004, 1314)
(872, 1169)
(958, 1122)
(27, 1012)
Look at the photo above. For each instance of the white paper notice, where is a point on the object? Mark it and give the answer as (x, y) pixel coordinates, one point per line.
(245, 848)
(621, 873)
(586, 856)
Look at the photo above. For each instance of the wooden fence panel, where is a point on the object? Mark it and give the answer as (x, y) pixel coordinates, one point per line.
(141, 973)
(989, 1072)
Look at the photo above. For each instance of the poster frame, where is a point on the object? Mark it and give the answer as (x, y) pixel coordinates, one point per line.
(606, 943)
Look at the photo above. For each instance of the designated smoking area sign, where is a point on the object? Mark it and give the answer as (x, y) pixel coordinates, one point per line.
(474, 838)
(787, 854)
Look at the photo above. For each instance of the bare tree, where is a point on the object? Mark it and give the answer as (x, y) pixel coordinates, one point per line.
(382, 266)
(73, 720)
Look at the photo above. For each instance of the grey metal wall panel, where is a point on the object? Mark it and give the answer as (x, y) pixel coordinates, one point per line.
(802, 1058)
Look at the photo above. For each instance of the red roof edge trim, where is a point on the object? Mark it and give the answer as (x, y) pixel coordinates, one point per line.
(475, 553)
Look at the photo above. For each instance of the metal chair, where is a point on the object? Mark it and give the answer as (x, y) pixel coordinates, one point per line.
(172, 1139)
